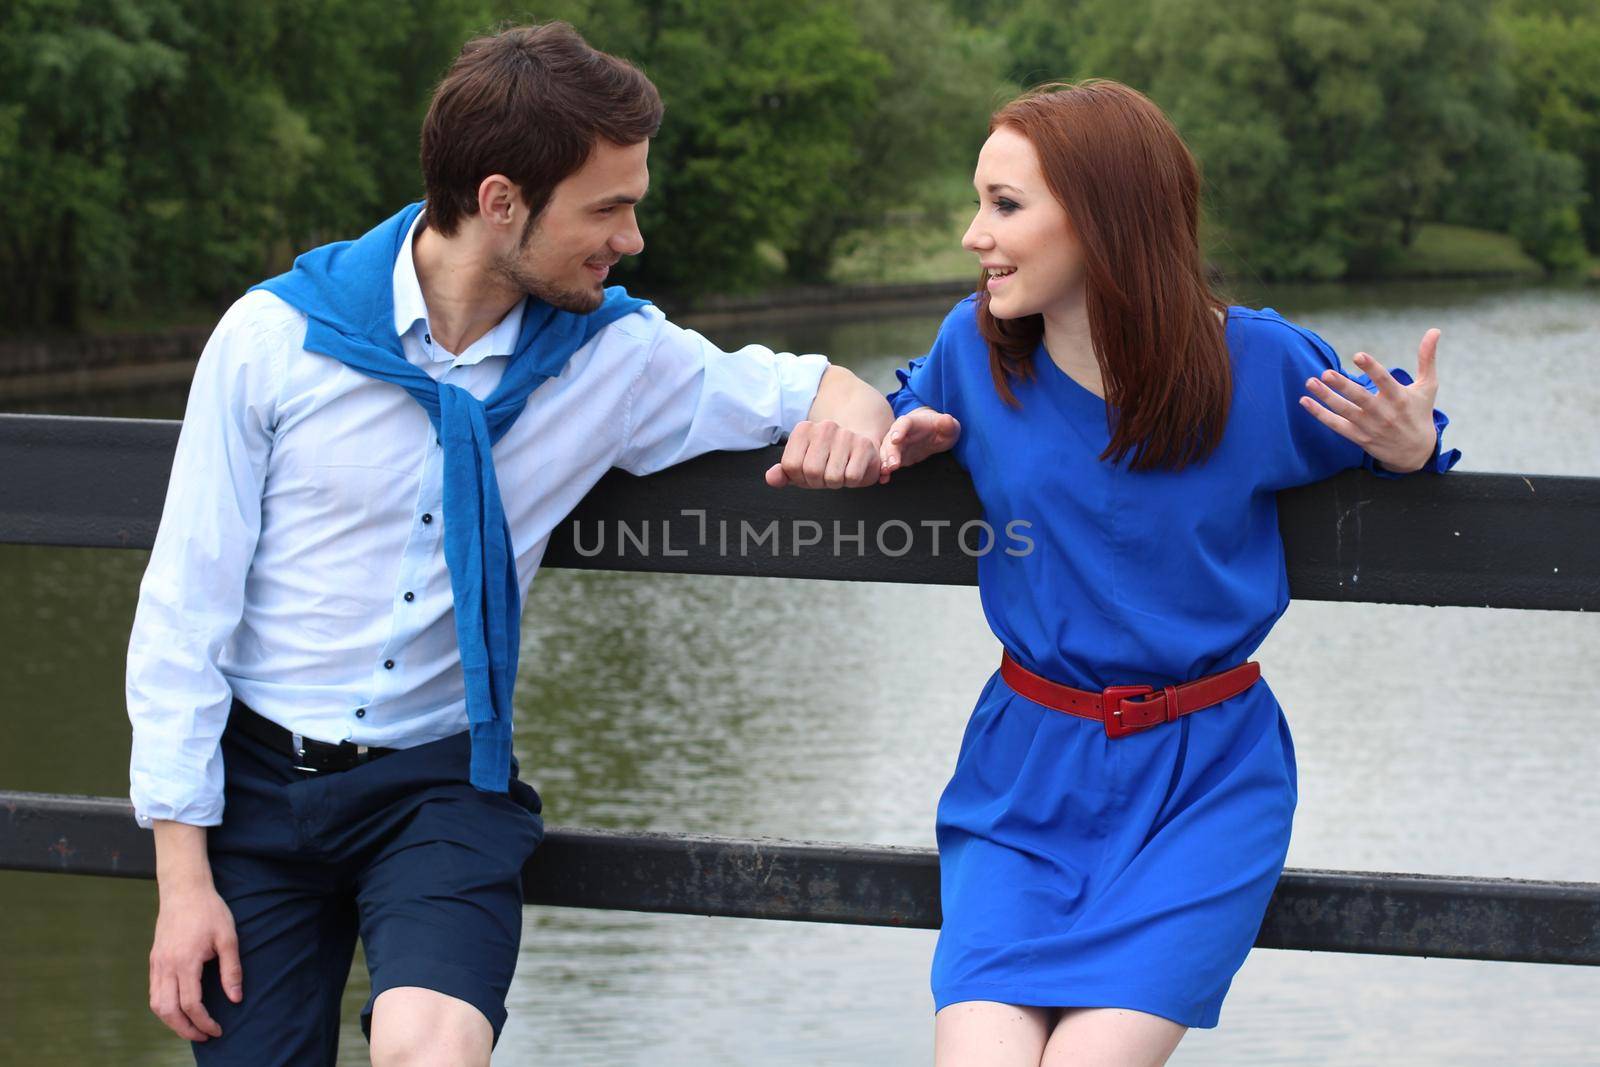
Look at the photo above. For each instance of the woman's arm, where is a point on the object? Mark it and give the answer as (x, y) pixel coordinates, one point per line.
(915, 436)
(1395, 425)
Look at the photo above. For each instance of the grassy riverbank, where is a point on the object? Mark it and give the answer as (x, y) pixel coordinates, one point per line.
(914, 249)
(921, 251)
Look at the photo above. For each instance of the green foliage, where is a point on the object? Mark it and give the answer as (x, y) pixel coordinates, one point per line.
(67, 120)
(1329, 130)
(1555, 64)
(171, 151)
(168, 152)
(762, 102)
(928, 117)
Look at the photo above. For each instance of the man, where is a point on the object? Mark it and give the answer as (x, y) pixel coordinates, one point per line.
(320, 669)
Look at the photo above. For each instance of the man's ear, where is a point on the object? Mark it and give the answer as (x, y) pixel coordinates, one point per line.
(499, 201)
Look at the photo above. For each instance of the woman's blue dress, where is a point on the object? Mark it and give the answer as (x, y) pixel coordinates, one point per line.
(1076, 870)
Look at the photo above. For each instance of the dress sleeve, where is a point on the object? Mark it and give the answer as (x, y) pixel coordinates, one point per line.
(1316, 452)
(928, 381)
(692, 398)
(906, 398)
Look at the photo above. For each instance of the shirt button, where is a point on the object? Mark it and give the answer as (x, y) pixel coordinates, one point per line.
(428, 337)
(388, 664)
(361, 713)
(410, 597)
(427, 518)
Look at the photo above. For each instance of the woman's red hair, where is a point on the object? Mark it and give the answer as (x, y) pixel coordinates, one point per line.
(1131, 191)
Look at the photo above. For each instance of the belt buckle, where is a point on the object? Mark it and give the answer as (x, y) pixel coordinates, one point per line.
(1111, 698)
(303, 763)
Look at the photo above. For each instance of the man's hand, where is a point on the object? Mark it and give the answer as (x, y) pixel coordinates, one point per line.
(837, 446)
(193, 927)
(915, 436)
(1393, 426)
(825, 455)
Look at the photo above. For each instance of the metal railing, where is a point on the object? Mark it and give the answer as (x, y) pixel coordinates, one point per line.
(1481, 540)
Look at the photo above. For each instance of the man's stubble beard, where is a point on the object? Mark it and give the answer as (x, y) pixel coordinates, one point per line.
(510, 269)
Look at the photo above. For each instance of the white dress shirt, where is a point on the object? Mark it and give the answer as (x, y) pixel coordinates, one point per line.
(300, 560)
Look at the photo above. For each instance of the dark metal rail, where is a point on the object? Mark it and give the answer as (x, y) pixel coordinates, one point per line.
(1330, 911)
(1473, 540)
(1508, 541)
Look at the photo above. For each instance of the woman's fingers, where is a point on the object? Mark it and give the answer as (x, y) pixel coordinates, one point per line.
(915, 436)
(1379, 374)
(1338, 425)
(1346, 387)
(1427, 363)
(1331, 400)
(892, 452)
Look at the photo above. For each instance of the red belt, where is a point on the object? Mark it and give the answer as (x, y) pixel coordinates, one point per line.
(1115, 706)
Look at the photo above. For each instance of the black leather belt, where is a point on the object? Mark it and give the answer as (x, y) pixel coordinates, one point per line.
(310, 756)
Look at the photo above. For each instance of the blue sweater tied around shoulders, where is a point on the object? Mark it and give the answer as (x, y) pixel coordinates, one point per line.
(346, 290)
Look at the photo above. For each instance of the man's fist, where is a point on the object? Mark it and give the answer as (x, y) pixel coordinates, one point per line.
(824, 455)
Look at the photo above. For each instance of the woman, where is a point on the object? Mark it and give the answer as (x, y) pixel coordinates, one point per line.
(1112, 833)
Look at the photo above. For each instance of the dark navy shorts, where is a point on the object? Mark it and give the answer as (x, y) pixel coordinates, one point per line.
(402, 852)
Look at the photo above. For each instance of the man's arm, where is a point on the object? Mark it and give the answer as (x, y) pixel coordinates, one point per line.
(691, 397)
(190, 602)
(837, 445)
(193, 927)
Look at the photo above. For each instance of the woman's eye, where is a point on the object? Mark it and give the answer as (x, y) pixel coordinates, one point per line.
(1004, 206)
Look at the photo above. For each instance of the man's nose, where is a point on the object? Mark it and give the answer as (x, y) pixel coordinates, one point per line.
(628, 242)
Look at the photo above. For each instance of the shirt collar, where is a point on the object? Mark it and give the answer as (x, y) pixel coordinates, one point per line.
(411, 314)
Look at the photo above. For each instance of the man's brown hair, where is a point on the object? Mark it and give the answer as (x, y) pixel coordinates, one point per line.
(528, 102)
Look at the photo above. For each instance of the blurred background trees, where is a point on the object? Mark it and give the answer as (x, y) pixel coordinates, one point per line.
(165, 154)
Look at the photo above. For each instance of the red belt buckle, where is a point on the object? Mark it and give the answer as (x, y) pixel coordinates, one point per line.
(1111, 698)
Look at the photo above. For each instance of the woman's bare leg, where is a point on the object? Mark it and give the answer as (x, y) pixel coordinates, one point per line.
(1111, 1037)
(983, 1033)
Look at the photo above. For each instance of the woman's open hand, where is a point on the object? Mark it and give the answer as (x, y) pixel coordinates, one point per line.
(914, 437)
(1394, 425)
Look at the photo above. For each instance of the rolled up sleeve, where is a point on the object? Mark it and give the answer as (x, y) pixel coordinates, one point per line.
(692, 397)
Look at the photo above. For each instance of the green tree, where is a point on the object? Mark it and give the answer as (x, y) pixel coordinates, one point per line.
(67, 117)
(1328, 129)
(321, 103)
(173, 151)
(1555, 63)
(761, 101)
(931, 101)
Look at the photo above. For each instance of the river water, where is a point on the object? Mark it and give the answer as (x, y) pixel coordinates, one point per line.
(1445, 741)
